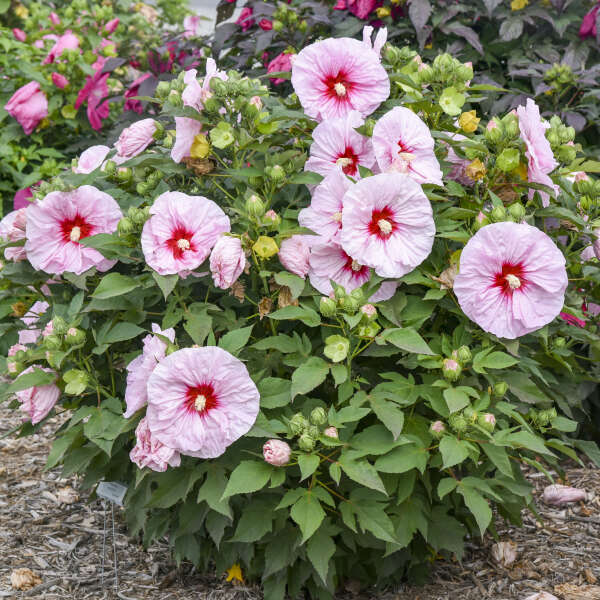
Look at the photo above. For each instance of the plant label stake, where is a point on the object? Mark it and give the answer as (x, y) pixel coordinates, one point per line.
(114, 493)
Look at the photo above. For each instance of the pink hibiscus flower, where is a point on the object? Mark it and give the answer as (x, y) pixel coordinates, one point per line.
(91, 159)
(56, 224)
(200, 400)
(282, 62)
(245, 20)
(149, 452)
(195, 94)
(28, 105)
(135, 139)
(588, 25)
(336, 143)
(512, 279)
(12, 228)
(324, 215)
(67, 41)
(141, 367)
(539, 153)
(94, 90)
(21, 197)
(294, 254)
(334, 76)
(403, 144)
(134, 90)
(38, 401)
(181, 232)
(186, 130)
(387, 224)
(192, 26)
(227, 261)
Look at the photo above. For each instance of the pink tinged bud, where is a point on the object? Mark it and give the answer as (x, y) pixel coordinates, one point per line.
(135, 138)
(438, 427)
(369, 310)
(48, 330)
(54, 18)
(491, 125)
(72, 331)
(294, 254)
(277, 452)
(256, 101)
(271, 215)
(331, 432)
(481, 217)
(111, 25)
(451, 365)
(12, 367)
(562, 494)
(489, 418)
(504, 553)
(19, 34)
(60, 81)
(265, 24)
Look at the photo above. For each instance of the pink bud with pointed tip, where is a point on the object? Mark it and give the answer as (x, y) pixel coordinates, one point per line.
(277, 452)
(60, 81)
(54, 18)
(19, 34)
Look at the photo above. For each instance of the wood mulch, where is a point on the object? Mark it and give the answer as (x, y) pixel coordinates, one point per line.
(47, 529)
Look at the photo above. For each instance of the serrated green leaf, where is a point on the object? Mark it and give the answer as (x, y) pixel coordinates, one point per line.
(248, 476)
(309, 375)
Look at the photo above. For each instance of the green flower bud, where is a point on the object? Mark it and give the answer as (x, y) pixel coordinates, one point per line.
(14, 367)
(175, 98)
(327, 307)
(493, 131)
(508, 159)
(451, 369)
(89, 57)
(458, 423)
(481, 220)
(560, 342)
(464, 355)
(110, 167)
(59, 325)
(358, 295)
(566, 153)
(75, 336)
(517, 212)
(255, 207)
(52, 342)
(339, 292)
(298, 424)
(349, 305)
(125, 226)
(318, 416)
(543, 418)
(498, 214)
(275, 173)
(368, 330)
(500, 388)
(553, 137)
(124, 174)
(511, 126)
(470, 414)
(306, 443)
(303, 26)
(487, 421)
(277, 25)
(162, 89)
(138, 215)
(142, 188)
(369, 126)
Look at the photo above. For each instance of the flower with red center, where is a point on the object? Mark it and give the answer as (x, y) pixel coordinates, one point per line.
(200, 400)
(324, 215)
(337, 144)
(181, 232)
(334, 76)
(387, 224)
(56, 224)
(539, 153)
(403, 144)
(149, 452)
(511, 280)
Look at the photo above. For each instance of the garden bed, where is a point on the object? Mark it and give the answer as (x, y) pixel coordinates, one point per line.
(61, 542)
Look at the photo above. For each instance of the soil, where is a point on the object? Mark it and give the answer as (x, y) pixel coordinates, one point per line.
(47, 528)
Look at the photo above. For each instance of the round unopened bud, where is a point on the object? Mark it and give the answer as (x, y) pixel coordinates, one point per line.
(59, 325)
(175, 98)
(437, 429)
(255, 207)
(500, 388)
(487, 421)
(277, 453)
(52, 342)
(458, 423)
(451, 369)
(481, 220)
(124, 174)
(327, 307)
(275, 173)
(498, 214)
(339, 292)
(470, 414)
(369, 311)
(517, 211)
(560, 342)
(75, 336)
(298, 424)
(306, 443)
(272, 219)
(162, 89)
(331, 432)
(464, 355)
(493, 131)
(277, 25)
(318, 416)
(125, 226)
(349, 305)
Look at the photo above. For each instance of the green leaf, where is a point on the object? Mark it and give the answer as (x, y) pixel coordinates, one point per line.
(294, 282)
(309, 375)
(234, 341)
(445, 486)
(166, 283)
(119, 333)
(362, 472)
(174, 486)
(453, 451)
(478, 505)
(403, 459)
(308, 464)
(524, 389)
(455, 399)
(308, 514)
(283, 343)
(499, 458)
(115, 284)
(407, 339)
(563, 424)
(372, 517)
(494, 360)
(212, 490)
(390, 414)
(320, 549)
(308, 316)
(198, 326)
(253, 525)
(248, 476)
(37, 377)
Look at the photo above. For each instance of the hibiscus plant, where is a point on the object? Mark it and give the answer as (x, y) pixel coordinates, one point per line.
(320, 335)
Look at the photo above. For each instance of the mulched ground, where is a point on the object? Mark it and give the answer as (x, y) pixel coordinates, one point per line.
(47, 528)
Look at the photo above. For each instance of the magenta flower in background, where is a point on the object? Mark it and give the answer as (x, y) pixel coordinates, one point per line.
(336, 143)
(403, 144)
(38, 401)
(512, 279)
(12, 228)
(588, 25)
(572, 319)
(387, 224)
(67, 41)
(19, 34)
(186, 130)
(132, 91)
(54, 18)
(181, 232)
(60, 81)
(281, 63)
(91, 159)
(94, 90)
(324, 215)
(277, 452)
(141, 367)
(112, 25)
(539, 153)
(21, 197)
(362, 8)
(227, 261)
(149, 452)
(294, 254)
(200, 401)
(57, 223)
(244, 20)
(192, 26)
(265, 24)
(334, 76)
(135, 139)
(28, 105)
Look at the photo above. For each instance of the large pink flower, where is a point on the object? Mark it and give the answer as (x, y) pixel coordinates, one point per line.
(12, 228)
(56, 224)
(28, 105)
(324, 215)
(67, 41)
(91, 159)
(387, 224)
(403, 144)
(200, 400)
(186, 130)
(135, 139)
(37, 401)
(94, 91)
(141, 367)
(227, 261)
(181, 232)
(336, 143)
(512, 279)
(539, 153)
(149, 452)
(334, 76)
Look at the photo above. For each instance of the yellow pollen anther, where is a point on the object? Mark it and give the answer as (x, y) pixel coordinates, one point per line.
(356, 266)
(200, 402)
(183, 244)
(343, 161)
(513, 281)
(340, 89)
(385, 226)
(337, 217)
(75, 234)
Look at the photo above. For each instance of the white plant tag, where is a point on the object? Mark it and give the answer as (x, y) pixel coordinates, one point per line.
(112, 491)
